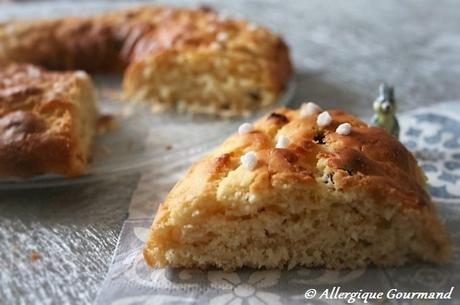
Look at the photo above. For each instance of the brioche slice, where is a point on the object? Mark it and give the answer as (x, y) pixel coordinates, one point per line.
(47, 121)
(300, 188)
(192, 59)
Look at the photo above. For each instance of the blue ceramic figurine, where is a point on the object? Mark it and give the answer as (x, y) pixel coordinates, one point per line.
(385, 110)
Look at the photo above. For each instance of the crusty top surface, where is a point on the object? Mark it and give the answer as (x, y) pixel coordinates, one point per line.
(367, 160)
(110, 42)
(27, 88)
(37, 119)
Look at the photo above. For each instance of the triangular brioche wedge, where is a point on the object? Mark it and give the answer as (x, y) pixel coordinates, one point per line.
(300, 188)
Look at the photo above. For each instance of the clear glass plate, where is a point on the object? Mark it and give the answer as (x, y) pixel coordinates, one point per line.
(143, 139)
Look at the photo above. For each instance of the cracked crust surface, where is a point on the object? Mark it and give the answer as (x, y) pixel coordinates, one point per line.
(47, 121)
(340, 201)
(191, 59)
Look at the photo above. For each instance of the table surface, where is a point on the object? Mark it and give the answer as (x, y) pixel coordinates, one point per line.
(56, 243)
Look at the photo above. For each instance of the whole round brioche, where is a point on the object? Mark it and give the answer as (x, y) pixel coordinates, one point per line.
(323, 199)
(191, 59)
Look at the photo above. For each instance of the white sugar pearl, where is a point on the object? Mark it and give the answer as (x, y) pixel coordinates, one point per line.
(344, 129)
(308, 109)
(223, 17)
(81, 75)
(32, 71)
(222, 36)
(215, 45)
(249, 160)
(245, 128)
(282, 142)
(324, 119)
(252, 27)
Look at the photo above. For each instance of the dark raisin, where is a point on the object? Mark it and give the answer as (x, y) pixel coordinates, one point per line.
(329, 178)
(319, 138)
(255, 95)
(349, 170)
(279, 117)
(205, 8)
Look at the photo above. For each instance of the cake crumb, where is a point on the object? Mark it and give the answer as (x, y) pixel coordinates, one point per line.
(34, 256)
(106, 123)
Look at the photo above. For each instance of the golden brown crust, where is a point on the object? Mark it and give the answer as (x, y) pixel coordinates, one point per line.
(143, 38)
(367, 160)
(61, 44)
(368, 168)
(41, 118)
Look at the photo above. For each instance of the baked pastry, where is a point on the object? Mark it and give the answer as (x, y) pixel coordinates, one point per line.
(47, 121)
(191, 59)
(300, 188)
